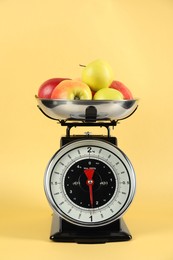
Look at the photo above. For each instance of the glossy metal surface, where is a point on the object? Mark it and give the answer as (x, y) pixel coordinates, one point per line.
(76, 109)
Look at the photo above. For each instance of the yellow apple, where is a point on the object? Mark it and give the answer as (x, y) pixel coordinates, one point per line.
(108, 94)
(97, 75)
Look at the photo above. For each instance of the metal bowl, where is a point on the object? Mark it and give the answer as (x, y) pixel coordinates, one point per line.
(59, 109)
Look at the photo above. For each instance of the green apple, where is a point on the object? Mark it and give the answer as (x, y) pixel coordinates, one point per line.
(97, 75)
(108, 94)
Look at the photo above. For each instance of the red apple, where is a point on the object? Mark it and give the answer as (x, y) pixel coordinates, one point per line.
(93, 93)
(122, 88)
(71, 90)
(48, 86)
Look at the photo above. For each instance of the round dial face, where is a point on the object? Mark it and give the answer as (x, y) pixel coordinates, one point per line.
(90, 182)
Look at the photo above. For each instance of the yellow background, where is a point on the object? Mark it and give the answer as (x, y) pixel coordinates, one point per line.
(49, 38)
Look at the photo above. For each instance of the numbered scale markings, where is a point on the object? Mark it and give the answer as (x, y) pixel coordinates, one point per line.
(90, 182)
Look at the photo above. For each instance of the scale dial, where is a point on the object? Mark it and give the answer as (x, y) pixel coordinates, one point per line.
(90, 182)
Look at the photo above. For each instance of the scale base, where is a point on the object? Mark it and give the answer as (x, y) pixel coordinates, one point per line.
(63, 231)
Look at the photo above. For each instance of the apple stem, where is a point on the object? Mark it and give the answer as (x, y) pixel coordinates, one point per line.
(76, 98)
(81, 65)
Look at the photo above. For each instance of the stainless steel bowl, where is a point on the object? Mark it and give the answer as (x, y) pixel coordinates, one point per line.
(59, 109)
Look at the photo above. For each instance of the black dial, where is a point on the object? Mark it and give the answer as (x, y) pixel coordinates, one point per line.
(78, 186)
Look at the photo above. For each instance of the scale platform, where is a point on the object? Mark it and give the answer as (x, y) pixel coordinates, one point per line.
(87, 110)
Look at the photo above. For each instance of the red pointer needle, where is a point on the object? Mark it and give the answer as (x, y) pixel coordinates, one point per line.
(89, 174)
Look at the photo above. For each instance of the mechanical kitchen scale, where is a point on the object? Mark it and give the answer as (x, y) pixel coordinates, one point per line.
(89, 182)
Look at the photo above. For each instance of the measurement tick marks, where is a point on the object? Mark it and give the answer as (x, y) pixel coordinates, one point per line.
(57, 193)
(57, 172)
(68, 212)
(69, 156)
(80, 214)
(62, 163)
(109, 156)
(100, 150)
(94, 180)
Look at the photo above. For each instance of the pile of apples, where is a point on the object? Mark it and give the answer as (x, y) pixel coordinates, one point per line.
(96, 83)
